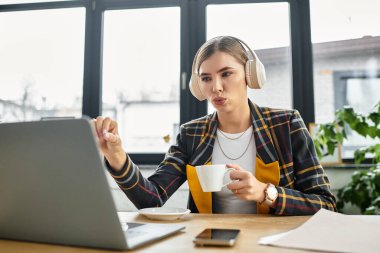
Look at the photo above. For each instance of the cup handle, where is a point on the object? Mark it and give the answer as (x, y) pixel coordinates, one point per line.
(228, 170)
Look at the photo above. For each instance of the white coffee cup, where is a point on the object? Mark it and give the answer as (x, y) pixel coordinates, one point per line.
(211, 176)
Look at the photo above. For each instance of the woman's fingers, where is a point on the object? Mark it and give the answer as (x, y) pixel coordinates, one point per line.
(94, 122)
(234, 166)
(99, 125)
(236, 185)
(240, 175)
(106, 128)
(106, 125)
(111, 138)
(237, 173)
(109, 125)
(241, 192)
(244, 185)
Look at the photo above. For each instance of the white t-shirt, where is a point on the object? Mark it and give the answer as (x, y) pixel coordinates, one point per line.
(225, 201)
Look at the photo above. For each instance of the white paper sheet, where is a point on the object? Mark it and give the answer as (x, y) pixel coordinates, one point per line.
(268, 240)
(333, 232)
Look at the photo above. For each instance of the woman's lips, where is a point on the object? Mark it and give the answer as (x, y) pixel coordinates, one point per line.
(219, 101)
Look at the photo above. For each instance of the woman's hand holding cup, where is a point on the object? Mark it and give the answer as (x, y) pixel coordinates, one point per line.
(245, 185)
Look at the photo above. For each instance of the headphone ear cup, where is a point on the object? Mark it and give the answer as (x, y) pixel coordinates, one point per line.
(194, 87)
(255, 74)
(261, 75)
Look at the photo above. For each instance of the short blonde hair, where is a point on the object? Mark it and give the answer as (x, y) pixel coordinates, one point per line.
(224, 44)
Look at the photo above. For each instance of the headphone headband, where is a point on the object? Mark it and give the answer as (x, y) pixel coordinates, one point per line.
(251, 55)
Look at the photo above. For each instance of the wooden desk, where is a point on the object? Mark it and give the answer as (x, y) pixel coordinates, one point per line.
(252, 228)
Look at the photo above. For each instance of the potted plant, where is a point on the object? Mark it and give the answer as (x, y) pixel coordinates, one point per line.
(364, 189)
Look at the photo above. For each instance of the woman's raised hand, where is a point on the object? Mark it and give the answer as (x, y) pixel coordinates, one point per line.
(110, 141)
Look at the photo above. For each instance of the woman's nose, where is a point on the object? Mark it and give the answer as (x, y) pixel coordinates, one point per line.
(217, 85)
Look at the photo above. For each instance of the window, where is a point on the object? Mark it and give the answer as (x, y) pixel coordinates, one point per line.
(133, 58)
(41, 63)
(346, 52)
(360, 90)
(141, 71)
(265, 28)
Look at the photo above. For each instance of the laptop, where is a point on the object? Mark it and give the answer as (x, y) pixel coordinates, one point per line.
(53, 189)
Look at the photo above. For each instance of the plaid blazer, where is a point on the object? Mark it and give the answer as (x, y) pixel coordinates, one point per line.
(285, 157)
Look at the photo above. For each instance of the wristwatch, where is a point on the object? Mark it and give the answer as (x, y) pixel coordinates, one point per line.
(271, 195)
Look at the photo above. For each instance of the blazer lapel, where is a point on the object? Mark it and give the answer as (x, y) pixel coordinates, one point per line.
(264, 143)
(203, 152)
(201, 156)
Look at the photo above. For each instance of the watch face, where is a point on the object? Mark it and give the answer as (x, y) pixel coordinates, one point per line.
(272, 192)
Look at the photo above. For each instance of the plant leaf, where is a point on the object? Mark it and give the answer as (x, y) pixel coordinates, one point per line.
(359, 156)
(374, 117)
(330, 147)
(339, 137)
(372, 131)
(362, 128)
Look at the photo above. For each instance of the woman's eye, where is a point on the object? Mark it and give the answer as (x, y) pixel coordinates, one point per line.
(205, 79)
(225, 74)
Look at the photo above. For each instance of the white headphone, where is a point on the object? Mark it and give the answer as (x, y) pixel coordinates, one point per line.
(254, 71)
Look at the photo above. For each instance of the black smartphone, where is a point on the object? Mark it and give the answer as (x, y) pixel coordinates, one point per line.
(217, 237)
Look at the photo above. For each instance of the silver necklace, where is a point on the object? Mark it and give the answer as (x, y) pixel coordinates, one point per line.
(220, 131)
(220, 146)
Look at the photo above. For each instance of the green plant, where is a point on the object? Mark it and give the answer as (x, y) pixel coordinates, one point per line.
(364, 189)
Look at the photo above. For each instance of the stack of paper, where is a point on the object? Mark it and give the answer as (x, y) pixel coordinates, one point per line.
(334, 232)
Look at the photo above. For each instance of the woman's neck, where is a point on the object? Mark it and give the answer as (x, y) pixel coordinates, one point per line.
(236, 121)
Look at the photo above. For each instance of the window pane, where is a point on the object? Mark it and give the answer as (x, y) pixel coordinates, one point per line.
(346, 52)
(255, 25)
(363, 94)
(41, 63)
(141, 69)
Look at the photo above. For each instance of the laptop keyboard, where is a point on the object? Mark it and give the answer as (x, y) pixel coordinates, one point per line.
(133, 233)
(133, 225)
(130, 230)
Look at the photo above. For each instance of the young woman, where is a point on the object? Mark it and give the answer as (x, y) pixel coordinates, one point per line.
(276, 169)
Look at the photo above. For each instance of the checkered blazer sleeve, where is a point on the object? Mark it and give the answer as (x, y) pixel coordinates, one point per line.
(311, 189)
(155, 190)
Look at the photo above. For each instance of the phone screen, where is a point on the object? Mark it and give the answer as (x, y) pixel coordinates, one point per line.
(214, 236)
